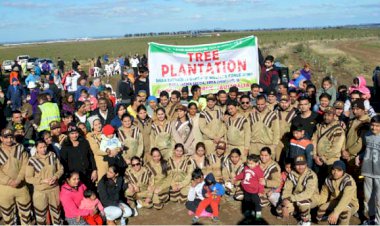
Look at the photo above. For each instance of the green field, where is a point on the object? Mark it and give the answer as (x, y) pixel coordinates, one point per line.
(85, 50)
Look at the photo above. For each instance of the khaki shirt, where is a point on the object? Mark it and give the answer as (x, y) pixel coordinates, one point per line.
(301, 187)
(13, 162)
(265, 127)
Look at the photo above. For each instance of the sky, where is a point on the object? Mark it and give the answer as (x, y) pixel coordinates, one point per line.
(31, 20)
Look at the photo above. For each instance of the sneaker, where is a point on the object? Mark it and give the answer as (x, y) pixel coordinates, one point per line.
(304, 223)
(323, 218)
(122, 221)
(138, 204)
(195, 220)
(258, 215)
(369, 222)
(215, 219)
(135, 213)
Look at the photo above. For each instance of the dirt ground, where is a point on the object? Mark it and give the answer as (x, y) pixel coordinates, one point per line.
(230, 214)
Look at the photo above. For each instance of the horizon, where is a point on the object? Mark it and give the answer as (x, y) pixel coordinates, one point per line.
(107, 19)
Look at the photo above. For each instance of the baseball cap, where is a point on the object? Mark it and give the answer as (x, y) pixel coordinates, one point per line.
(285, 97)
(330, 110)
(211, 97)
(181, 107)
(272, 92)
(221, 145)
(72, 128)
(358, 104)
(339, 104)
(300, 160)
(7, 133)
(54, 125)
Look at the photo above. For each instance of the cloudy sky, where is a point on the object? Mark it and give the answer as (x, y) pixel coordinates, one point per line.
(27, 20)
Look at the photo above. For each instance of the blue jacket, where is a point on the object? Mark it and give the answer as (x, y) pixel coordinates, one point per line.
(15, 94)
(31, 78)
(220, 191)
(79, 90)
(93, 91)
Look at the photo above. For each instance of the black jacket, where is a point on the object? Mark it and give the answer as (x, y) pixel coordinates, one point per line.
(125, 90)
(108, 119)
(110, 192)
(140, 85)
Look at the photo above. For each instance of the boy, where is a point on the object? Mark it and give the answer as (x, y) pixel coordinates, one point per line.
(269, 77)
(250, 177)
(212, 191)
(300, 145)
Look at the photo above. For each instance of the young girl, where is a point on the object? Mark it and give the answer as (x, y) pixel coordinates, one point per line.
(200, 159)
(360, 84)
(161, 136)
(91, 202)
(131, 138)
(144, 123)
(327, 87)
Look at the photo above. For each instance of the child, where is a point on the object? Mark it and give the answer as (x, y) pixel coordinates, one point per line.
(297, 79)
(250, 177)
(327, 87)
(360, 84)
(90, 202)
(284, 174)
(212, 191)
(300, 145)
(109, 141)
(324, 101)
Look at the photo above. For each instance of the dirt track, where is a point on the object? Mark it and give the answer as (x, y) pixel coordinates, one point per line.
(356, 49)
(176, 214)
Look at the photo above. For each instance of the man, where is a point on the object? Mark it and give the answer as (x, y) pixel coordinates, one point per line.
(15, 94)
(307, 118)
(328, 141)
(272, 100)
(185, 96)
(222, 100)
(264, 126)
(200, 101)
(338, 196)
(142, 83)
(134, 64)
(125, 89)
(164, 100)
(132, 109)
(13, 161)
(255, 91)
(233, 93)
(245, 106)
(283, 89)
(46, 112)
(61, 65)
(238, 130)
(94, 89)
(75, 64)
(356, 130)
(175, 99)
(81, 113)
(294, 102)
(106, 115)
(211, 124)
(344, 120)
(81, 86)
(269, 77)
(355, 95)
(18, 119)
(286, 114)
(300, 191)
(271, 180)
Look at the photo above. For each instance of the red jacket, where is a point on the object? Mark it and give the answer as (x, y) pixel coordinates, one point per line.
(71, 199)
(250, 179)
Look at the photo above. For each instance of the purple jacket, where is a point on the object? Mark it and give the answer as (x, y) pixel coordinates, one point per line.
(306, 74)
(33, 99)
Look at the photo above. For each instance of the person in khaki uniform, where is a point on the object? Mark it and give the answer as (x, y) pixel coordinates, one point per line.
(285, 114)
(328, 141)
(183, 130)
(13, 162)
(300, 191)
(161, 136)
(140, 184)
(218, 160)
(43, 172)
(238, 130)
(175, 101)
(338, 196)
(272, 100)
(272, 178)
(131, 138)
(233, 166)
(144, 123)
(181, 168)
(245, 106)
(264, 128)
(211, 124)
(159, 168)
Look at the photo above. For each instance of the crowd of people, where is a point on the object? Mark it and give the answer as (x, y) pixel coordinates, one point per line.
(100, 156)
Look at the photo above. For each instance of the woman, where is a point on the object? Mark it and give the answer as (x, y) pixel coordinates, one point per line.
(159, 168)
(76, 155)
(194, 118)
(200, 159)
(111, 188)
(120, 110)
(43, 171)
(181, 168)
(140, 184)
(232, 167)
(131, 138)
(144, 123)
(217, 160)
(68, 103)
(161, 136)
(183, 130)
(71, 196)
(94, 138)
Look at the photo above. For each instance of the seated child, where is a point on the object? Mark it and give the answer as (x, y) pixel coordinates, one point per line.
(90, 202)
(212, 191)
(300, 145)
(250, 177)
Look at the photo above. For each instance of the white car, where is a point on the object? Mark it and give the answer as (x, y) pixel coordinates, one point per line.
(40, 61)
(30, 63)
(22, 58)
(6, 66)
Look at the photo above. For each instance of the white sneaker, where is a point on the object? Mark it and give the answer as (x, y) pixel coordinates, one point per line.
(135, 213)
(122, 221)
(138, 204)
(303, 223)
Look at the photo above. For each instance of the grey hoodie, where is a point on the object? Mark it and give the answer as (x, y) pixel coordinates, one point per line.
(371, 155)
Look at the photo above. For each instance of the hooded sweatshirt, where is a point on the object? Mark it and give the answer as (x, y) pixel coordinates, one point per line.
(370, 165)
(362, 87)
(250, 179)
(215, 186)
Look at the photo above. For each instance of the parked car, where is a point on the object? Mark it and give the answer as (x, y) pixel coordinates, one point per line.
(30, 63)
(6, 66)
(22, 58)
(40, 61)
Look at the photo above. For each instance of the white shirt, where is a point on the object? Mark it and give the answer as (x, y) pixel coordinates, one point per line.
(134, 62)
(196, 192)
(72, 82)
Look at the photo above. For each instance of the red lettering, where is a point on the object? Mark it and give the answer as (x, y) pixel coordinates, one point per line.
(200, 68)
(182, 70)
(209, 68)
(231, 66)
(198, 56)
(217, 63)
(242, 65)
(215, 55)
(190, 56)
(207, 56)
(172, 71)
(192, 69)
(164, 70)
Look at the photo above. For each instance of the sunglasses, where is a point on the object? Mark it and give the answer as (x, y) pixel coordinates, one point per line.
(244, 102)
(137, 164)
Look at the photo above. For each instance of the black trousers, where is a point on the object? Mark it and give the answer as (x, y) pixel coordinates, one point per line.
(251, 202)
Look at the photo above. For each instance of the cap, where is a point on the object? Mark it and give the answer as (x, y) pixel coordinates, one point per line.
(210, 97)
(108, 130)
(339, 104)
(358, 104)
(142, 92)
(339, 164)
(185, 89)
(14, 80)
(284, 97)
(221, 145)
(300, 160)
(330, 110)
(72, 128)
(54, 125)
(79, 104)
(7, 133)
(92, 119)
(152, 98)
(18, 126)
(181, 107)
(272, 92)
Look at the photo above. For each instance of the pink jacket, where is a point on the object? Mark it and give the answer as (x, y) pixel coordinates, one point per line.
(89, 204)
(362, 88)
(71, 199)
